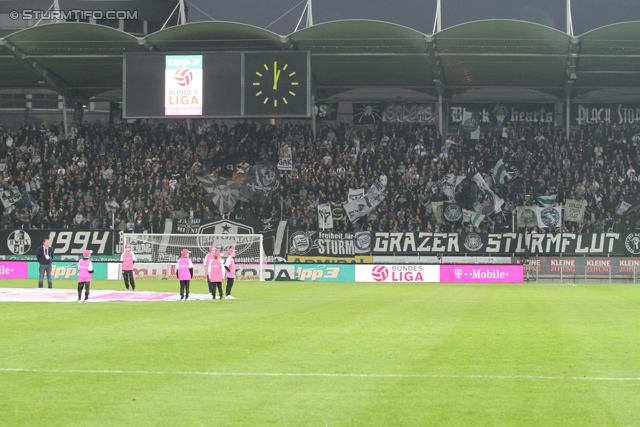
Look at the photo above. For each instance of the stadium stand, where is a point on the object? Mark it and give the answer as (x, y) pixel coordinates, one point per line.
(132, 176)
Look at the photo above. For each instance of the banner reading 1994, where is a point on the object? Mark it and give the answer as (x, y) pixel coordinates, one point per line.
(183, 85)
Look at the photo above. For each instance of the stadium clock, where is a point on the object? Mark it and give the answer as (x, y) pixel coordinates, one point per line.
(276, 84)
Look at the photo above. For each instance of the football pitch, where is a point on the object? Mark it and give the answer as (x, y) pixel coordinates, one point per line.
(327, 354)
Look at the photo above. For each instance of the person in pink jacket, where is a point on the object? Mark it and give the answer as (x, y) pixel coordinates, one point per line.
(230, 267)
(85, 269)
(127, 259)
(184, 271)
(207, 260)
(214, 273)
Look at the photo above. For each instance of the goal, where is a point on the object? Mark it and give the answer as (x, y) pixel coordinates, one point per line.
(159, 252)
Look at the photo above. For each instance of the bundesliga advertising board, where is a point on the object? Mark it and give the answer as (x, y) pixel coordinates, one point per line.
(183, 85)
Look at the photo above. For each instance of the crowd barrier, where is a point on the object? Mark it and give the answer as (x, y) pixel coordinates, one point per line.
(566, 269)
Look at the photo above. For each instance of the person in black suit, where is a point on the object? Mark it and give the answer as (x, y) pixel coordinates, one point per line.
(45, 258)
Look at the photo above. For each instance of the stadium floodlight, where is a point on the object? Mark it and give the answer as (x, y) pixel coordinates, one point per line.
(165, 249)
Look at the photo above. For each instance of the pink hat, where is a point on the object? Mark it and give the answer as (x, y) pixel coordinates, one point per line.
(87, 253)
(212, 248)
(127, 245)
(185, 251)
(216, 254)
(230, 251)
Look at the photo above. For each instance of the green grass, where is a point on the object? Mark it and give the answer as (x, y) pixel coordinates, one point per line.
(453, 355)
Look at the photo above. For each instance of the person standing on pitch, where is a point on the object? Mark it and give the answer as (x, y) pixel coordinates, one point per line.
(207, 260)
(44, 255)
(230, 266)
(184, 271)
(214, 273)
(85, 270)
(127, 259)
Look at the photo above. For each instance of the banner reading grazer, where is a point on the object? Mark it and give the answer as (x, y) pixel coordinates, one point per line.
(183, 85)
(507, 243)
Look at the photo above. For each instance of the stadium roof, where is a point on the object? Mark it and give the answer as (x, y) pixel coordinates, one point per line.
(84, 60)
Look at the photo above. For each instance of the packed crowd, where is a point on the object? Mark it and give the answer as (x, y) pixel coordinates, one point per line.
(133, 176)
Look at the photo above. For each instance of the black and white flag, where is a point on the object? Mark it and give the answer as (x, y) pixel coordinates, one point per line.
(325, 216)
(526, 216)
(262, 181)
(574, 210)
(10, 197)
(488, 202)
(438, 210)
(449, 183)
(549, 217)
(285, 162)
(361, 207)
(355, 194)
(224, 192)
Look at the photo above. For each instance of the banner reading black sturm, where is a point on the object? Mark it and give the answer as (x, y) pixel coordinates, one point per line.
(611, 113)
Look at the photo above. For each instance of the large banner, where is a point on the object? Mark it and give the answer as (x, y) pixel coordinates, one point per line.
(261, 182)
(361, 207)
(402, 112)
(183, 85)
(478, 115)
(272, 229)
(367, 113)
(611, 113)
(67, 244)
(507, 243)
(315, 243)
(224, 192)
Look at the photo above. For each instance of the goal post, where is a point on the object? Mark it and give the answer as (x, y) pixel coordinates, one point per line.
(160, 252)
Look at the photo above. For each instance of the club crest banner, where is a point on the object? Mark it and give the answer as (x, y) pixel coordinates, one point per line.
(549, 217)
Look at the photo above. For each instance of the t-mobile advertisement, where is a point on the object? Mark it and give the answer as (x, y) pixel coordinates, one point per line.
(13, 270)
(482, 273)
(183, 85)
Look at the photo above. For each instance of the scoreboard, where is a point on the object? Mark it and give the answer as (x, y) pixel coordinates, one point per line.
(217, 85)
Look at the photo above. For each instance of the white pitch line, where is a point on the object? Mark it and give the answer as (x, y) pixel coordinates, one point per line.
(317, 374)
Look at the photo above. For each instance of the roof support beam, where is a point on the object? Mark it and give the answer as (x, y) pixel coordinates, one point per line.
(49, 77)
(572, 66)
(436, 65)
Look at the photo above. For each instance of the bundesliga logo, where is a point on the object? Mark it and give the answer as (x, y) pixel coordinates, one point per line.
(183, 76)
(380, 273)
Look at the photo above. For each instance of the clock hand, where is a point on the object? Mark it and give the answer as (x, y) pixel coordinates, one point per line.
(276, 75)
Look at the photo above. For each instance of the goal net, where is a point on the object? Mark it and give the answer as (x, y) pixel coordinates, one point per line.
(157, 254)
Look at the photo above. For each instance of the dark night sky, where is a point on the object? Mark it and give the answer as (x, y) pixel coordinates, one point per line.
(420, 14)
